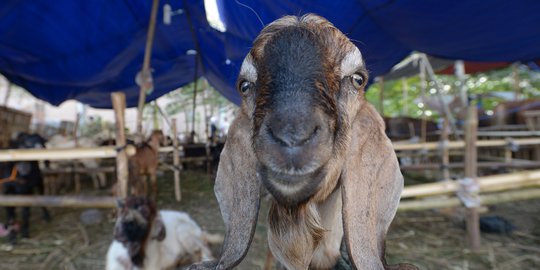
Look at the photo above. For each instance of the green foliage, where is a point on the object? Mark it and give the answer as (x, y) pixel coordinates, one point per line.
(481, 84)
(206, 96)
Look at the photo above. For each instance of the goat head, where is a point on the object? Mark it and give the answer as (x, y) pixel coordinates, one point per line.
(306, 133)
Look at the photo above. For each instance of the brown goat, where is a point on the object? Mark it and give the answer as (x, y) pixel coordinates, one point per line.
(143, 164)
(307, 134)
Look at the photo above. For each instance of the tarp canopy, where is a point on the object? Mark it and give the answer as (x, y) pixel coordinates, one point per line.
(84, 50)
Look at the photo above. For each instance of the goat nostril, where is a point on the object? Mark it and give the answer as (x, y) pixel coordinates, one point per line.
(297, 137)
(277, 138)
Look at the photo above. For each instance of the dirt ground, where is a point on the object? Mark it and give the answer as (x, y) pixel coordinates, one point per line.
(429, 239)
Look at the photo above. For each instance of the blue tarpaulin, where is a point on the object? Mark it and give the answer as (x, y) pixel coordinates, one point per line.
(85, 50)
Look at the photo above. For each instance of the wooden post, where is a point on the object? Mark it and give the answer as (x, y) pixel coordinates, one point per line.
(76, 163)
(381, 96)
(119, 105)
(515, 76)
(445, 150)
(176, 162)
(473, 220)
(194, 108)
(508, 151)
(146, 66)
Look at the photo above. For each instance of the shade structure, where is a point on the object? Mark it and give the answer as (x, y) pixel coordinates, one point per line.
(85, 50)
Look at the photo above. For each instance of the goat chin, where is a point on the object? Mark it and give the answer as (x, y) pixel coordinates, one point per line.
(185, 242)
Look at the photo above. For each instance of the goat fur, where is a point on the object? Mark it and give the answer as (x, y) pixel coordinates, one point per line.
(173, 238)
(145, 164)
(353, 189)
(61, 141)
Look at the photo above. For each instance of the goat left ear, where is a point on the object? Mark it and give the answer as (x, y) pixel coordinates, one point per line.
(371, 188)
(158, 231)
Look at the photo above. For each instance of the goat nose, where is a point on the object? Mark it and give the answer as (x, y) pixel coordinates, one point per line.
(292, 132)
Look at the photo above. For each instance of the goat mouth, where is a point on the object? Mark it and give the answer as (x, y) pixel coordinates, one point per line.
(289, 189)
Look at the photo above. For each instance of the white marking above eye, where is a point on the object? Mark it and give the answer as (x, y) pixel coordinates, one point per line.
(351, 62)
(248, 69)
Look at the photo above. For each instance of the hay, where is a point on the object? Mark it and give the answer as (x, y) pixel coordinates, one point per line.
(429, 239)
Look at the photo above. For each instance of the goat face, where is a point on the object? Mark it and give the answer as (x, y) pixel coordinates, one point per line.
(136, 221)
(298, 84)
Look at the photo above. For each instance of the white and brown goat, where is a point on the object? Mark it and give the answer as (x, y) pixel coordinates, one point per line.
(148, 239)
(307, 134)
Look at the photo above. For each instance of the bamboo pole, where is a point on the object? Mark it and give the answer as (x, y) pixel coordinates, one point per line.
(461, 144)
(516, 79)
(8, 93)
(460, 165)
(76, 140)
(405, 96)
(423, 88)
(488, 199)
(119, 105)
(381, 96)
(508, 151)
(58, 201)
(486, 184)
(146, 65)
(445, 151)
(110, 151)
(506, 133)
(176, 162)
(446, 110)
(472, 215)
(61, 154)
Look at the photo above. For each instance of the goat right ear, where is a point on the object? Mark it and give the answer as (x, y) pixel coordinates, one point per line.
(237, 189)
(371, 188)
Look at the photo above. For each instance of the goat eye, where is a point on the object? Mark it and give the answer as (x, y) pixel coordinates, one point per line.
(244, 86)
(357, 80)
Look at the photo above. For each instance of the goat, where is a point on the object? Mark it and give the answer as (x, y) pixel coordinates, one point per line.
(22, 178)
(146, 239)
(145, 163)
(61, 141)
(307, 134)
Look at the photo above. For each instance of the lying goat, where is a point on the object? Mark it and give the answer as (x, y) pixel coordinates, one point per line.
(146, 239)
(306, 132)
(145, 163)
